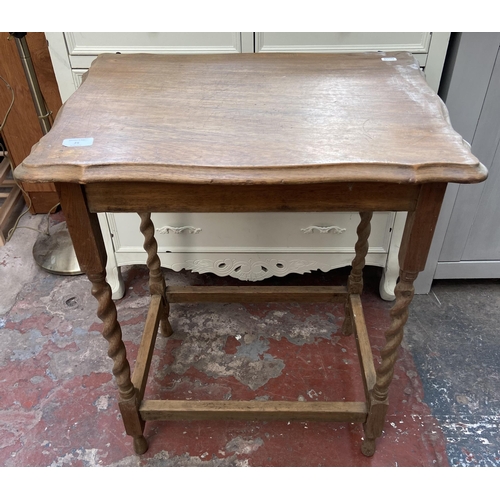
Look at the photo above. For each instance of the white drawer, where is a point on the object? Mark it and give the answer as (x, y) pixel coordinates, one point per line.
(251, 232)
(415, 42)
(83, 47)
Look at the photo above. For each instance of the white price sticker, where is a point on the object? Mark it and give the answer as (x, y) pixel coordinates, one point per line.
(83, 141)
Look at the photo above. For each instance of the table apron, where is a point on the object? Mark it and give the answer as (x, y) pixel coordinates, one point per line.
(202, 198)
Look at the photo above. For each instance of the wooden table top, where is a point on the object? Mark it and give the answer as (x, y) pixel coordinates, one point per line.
(254, 119)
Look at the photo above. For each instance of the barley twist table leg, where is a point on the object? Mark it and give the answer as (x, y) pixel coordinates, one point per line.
(355, 280)
(394, 335)
(156, 280)
(106, 312)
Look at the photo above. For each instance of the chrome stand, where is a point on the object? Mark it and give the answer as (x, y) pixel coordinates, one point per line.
(54, 252)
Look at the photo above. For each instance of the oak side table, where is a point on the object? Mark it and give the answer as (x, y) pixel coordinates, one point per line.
(252, 133)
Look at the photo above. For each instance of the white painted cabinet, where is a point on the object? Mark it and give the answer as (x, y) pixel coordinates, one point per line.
(247, 246)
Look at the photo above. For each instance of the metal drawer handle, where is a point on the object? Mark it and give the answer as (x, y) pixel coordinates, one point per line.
(324, 229)
(178, 230)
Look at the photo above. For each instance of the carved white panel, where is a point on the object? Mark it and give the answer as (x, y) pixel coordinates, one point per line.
(178, 230)
(245, 266)
(250, 266)
(324, 229)
(249, 269)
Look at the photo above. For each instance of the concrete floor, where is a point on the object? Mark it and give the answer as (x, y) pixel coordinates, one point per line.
(58, 401)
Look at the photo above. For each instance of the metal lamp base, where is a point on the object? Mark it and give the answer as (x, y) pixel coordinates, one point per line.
(55, 253)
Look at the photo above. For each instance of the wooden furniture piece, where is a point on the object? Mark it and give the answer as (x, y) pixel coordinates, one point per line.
(22, 128)
(247, 246)
(252, 133)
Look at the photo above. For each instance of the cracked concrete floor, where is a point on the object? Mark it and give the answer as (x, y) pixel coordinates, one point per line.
(58, 399)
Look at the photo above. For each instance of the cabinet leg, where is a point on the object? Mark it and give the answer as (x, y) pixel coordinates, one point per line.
(355, 280)
(115, 280)
(157, 284)
(391, 270)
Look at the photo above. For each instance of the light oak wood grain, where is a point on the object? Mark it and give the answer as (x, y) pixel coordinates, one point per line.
(254, 119)
(143, 362)
(213, 197)
(362, 343)
(253, 410)
(256, 294)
